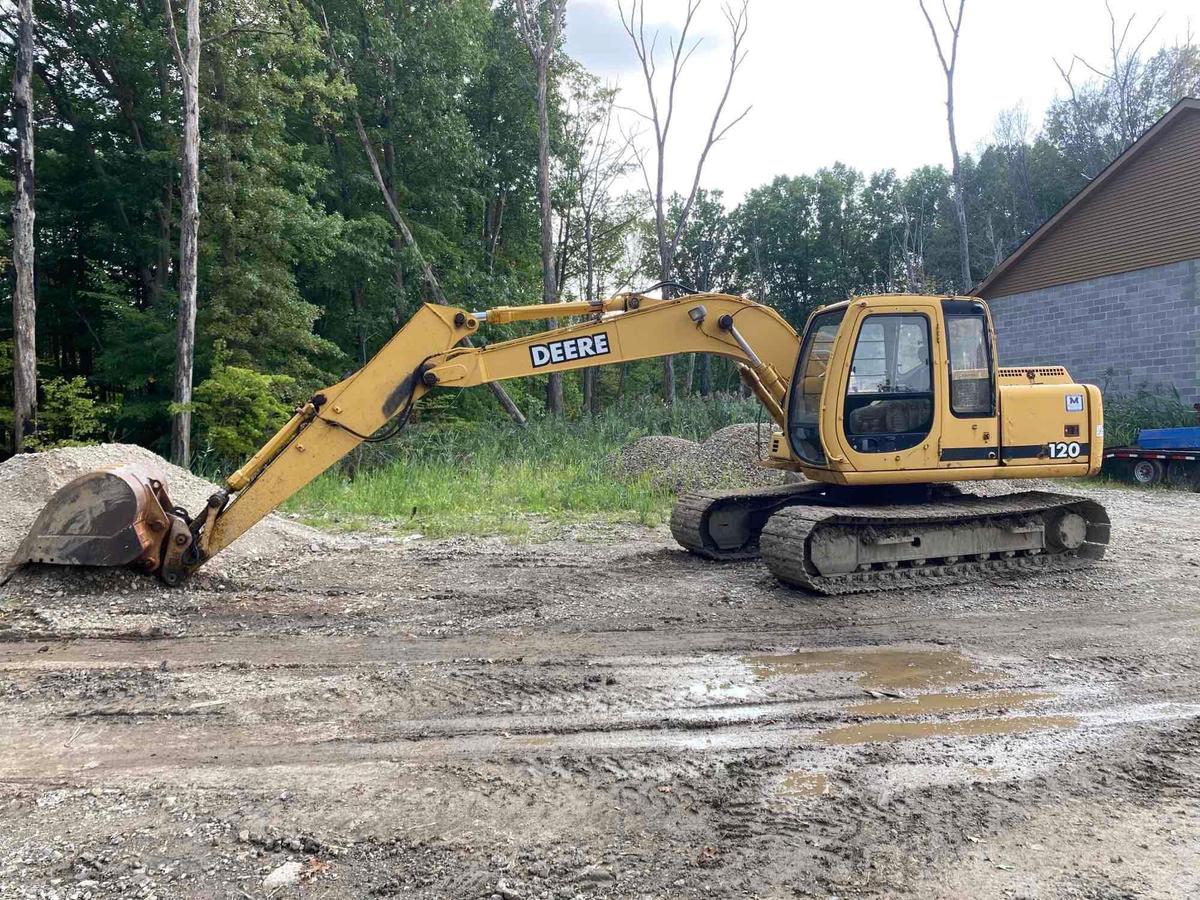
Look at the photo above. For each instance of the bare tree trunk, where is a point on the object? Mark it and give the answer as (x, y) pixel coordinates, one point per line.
(24, 302)
(960, 197)
(354, 461)
(960, 193)
(668, 360)
(591, 400)
(660, 116)
(497, 224)
(541, 44)
(704, 375)
(189, 228)
(554, 390)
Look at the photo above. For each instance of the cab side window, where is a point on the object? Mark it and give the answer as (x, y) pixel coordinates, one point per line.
(889, 399)
(971, 390)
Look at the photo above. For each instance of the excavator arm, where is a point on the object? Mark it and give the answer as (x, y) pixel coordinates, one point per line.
(124, 517)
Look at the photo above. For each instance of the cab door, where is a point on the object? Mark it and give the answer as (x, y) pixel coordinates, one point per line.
(970, 435)
(887, 418)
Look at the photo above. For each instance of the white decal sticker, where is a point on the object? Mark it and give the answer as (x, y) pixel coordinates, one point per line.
(1074, 402)
(1063, 450)
(569, 349)
(1099, 431)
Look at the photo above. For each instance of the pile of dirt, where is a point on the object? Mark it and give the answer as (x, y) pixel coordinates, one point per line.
(28, 480)
(727, 458)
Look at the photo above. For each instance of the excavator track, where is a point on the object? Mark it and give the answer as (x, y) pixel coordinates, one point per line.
(725, 525)
(852, 549)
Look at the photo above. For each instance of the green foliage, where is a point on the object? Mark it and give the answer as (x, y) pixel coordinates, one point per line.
(300, 272)
(237, 409)
(487, 477)
(69, 415)
(1147, 407)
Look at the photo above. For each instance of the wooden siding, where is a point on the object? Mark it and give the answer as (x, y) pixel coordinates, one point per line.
(1146, 212)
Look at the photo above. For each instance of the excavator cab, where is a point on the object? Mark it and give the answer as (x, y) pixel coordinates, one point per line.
(905, 388)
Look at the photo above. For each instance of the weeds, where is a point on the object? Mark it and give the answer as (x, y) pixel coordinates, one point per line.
(459, 477)
(1126, 414)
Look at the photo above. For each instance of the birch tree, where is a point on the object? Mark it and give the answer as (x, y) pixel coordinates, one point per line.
(24, 302)
(949, 61)
(188, 60)
(540, 23)
(669, 230)
(601, 159)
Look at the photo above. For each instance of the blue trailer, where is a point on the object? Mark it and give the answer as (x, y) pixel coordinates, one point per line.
(1170, 455)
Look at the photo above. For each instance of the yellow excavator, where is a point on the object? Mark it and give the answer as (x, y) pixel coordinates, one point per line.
(882, 403)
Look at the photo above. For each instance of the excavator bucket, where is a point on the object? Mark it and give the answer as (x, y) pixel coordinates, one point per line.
(110, 517)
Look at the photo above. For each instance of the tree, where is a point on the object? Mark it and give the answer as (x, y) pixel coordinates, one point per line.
(668, 233)
(594, 161)
(923, 198)
(949, 63)
(189, 227)
(704, 261)
(540, 23)
(1127, 94)
(24, 302)
(404, 232)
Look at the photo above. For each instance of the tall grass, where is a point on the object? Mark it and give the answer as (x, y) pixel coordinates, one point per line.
(1126, 414)
(454, 477)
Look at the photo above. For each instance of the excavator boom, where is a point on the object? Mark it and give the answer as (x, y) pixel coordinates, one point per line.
(123, 517)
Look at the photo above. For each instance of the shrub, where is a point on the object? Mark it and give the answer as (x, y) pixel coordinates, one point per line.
(1147, 407)
(70, 414)
(237, 409)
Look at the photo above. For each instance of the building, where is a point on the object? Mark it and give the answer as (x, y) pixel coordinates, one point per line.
(1110, 285)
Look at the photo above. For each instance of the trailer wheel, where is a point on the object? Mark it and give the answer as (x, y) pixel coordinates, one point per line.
(1147, 471)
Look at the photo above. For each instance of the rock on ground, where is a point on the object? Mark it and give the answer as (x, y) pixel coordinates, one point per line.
(288, 873)
(727, 458)
(27, 482)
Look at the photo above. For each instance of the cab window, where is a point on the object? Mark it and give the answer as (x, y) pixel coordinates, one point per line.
(971, 390)
(809, 382)
(889, 396)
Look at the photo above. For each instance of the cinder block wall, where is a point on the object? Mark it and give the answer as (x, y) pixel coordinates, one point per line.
(1122, 331)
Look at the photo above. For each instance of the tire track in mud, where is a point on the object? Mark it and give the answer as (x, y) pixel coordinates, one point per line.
(290, 714)
(68, 645)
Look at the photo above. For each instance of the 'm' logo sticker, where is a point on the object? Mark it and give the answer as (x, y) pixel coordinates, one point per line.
(584, 347)
(1074, 402)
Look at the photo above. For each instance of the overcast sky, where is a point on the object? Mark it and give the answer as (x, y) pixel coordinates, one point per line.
(856, 81)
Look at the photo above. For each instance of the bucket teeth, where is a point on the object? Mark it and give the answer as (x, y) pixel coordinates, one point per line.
(111, 517)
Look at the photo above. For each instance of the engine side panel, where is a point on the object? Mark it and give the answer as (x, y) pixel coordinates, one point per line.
(1051, 425)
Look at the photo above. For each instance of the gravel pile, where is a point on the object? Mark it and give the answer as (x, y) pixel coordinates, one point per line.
(28, 480)
(727, 458)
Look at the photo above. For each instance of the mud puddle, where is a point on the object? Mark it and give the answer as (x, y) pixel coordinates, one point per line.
(884, 670)
(803, 784)
(932, 704)
(889, 673)
(881, 732)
